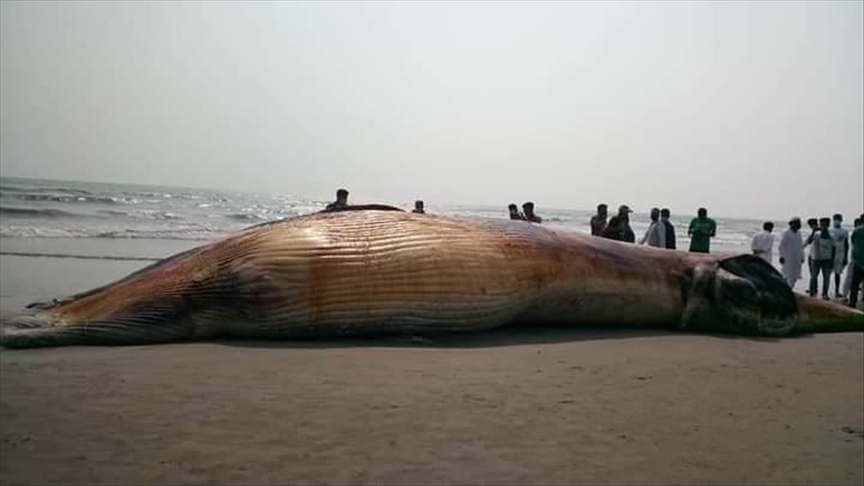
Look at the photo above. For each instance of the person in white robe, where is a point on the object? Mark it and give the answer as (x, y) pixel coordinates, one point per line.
(656, 233)
(763, 243)
(791, 251)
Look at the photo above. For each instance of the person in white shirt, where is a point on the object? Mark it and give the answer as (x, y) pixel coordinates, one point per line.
(763, 243)
(656, 233)
(823, 258)
(791, 251)
(841, 252)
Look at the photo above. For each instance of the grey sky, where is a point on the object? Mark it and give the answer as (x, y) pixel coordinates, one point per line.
(751, 109)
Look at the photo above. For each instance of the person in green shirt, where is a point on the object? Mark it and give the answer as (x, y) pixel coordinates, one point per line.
(702, 229)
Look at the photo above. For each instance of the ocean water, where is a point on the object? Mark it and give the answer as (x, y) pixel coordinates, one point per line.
(46, 209)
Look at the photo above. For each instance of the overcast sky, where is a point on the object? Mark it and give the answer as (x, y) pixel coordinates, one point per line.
(752, 109)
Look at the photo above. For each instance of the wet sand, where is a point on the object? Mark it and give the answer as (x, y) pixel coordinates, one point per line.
(521, 406)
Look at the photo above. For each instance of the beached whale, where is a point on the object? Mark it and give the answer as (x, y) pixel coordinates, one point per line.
(379, 270)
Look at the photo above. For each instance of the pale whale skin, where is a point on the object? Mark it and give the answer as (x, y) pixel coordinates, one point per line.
(376, 270)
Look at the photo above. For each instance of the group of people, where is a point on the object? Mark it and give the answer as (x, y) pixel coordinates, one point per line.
(830, 250)
(527, 213)
(660, 232)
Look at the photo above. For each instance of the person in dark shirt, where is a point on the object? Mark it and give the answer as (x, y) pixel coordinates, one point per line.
(514, 212)
(418, 207)
(857, 259)
(813, 224)
(619, 226)
(341, 201)
(670, 229)
(598, 221)
(528, 209)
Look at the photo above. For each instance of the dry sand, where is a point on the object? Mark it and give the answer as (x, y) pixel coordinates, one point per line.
(518, 407)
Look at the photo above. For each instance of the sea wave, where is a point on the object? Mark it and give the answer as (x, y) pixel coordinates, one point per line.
(159, 234)
(152, 234)
(34, 232)
(35, 213)
(67, 190)
(154, 214)
(142, 214)
(246, 217)
(70, 198)
(113, 212)
(85, 257)
(155, 196)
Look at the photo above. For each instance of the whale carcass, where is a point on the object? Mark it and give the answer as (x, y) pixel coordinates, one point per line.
(377, 270)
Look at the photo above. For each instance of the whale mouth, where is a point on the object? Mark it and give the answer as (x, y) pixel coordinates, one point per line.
(742, 295)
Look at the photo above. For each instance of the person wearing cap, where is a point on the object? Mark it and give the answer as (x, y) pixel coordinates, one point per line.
(619, 226)
(702, 229)
(341, 201)
(528, 209)
(598, 221)
(418, 207)
(791, 251)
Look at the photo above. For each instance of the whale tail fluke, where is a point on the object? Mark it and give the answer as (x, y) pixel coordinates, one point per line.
(816, 315)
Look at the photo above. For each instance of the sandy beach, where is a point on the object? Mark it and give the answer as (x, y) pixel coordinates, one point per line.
(518, 406)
